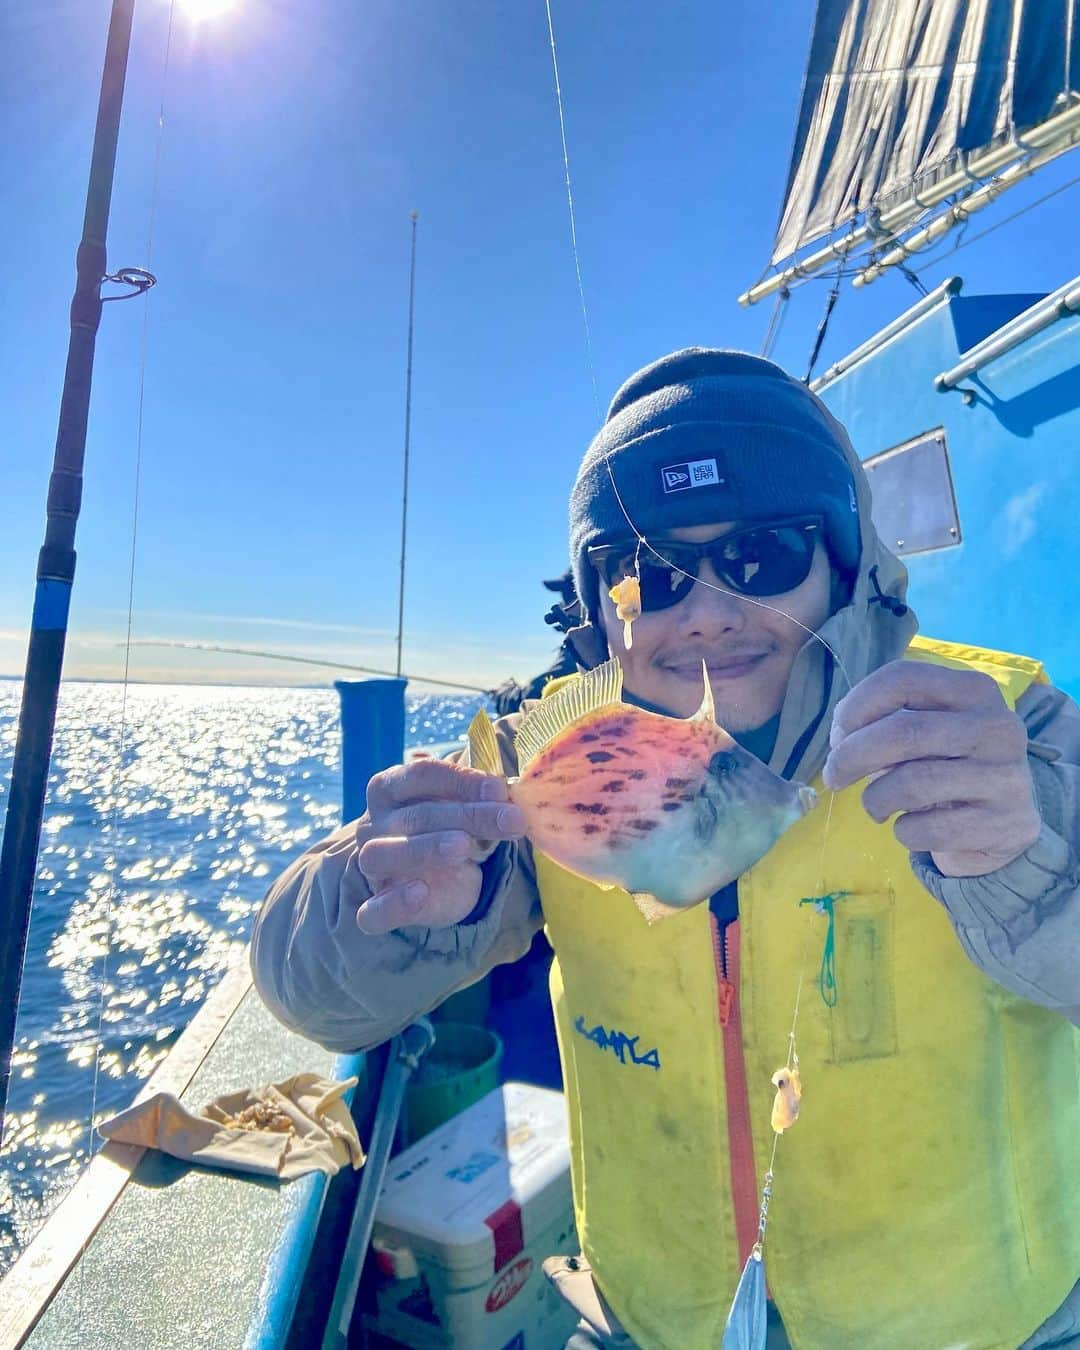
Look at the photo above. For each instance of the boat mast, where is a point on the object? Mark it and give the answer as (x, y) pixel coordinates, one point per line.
(56, 561)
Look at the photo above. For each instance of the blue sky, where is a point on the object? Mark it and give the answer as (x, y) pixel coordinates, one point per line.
(297, 139)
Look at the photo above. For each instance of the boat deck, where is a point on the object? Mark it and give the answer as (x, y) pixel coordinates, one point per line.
(187, 1256)
(193, 1258)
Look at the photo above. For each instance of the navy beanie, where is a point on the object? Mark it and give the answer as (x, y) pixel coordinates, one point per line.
(709, 435)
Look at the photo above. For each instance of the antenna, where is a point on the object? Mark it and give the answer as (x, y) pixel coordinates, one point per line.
(413, 216)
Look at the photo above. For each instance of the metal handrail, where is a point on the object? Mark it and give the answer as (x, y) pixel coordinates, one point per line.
(1064, 301)
(928, 302)
(407, 1050)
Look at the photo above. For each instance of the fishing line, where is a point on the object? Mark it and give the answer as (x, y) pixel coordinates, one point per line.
(641, 539)
(110, 830)
(723, 590)
(643, 542)
(309, 661)
(792, 1062)
(570, 204)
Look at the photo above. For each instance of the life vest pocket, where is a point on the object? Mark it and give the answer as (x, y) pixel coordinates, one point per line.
(863, 1013)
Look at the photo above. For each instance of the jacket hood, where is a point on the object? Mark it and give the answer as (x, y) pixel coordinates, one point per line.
(872, 629)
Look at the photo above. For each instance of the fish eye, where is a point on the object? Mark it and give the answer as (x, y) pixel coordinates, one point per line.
(722, 764)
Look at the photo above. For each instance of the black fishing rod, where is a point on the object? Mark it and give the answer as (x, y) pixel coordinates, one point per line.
(56, 561)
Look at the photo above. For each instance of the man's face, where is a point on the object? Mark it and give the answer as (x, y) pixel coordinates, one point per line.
(749, 649)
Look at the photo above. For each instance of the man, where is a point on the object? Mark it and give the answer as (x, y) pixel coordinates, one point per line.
(928, 1196)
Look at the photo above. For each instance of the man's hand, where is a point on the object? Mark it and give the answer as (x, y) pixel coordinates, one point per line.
(420, 839)
(940, 747)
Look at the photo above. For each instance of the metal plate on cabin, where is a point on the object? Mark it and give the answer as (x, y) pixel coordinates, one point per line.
(914, 503)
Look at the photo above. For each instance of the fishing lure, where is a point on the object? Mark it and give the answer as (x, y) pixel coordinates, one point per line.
(627, 597)
(785, 1111)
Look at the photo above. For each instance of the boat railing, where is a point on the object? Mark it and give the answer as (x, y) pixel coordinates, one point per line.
(948, 288)
(1058, 305)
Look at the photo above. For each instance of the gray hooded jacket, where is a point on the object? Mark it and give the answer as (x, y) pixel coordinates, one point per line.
(348, 990)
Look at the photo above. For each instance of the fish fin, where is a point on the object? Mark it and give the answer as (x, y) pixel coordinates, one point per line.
(599, 688)
(707, 711)
(653, 909)
(483, 746)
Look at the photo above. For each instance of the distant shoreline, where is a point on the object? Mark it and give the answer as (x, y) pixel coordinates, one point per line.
(208, 684)
(227, 684)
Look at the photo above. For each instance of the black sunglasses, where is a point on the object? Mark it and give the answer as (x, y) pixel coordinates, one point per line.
(758, 560)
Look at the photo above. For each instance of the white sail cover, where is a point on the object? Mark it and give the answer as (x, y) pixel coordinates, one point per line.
(898, 92)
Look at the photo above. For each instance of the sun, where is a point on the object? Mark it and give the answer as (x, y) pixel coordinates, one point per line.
(206, 9)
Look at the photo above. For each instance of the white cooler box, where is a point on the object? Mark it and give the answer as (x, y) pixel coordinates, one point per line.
(465, 1220)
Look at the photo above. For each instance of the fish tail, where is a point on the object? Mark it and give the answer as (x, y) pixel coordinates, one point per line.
(483, 746)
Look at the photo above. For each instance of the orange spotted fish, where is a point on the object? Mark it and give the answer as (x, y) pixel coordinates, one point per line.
(668, 809)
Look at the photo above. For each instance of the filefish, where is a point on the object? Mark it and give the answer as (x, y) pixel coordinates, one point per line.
(668, 809)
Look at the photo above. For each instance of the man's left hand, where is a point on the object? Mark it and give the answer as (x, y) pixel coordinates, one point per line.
(942, 748)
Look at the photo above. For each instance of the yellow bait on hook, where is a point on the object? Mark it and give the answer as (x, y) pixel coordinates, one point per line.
(627, 597)
(785, 1109)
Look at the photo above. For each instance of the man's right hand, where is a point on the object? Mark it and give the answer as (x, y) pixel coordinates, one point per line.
(427, 826)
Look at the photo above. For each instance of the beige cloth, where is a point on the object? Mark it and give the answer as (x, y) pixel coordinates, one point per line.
(572, 1277)
(282, 1130)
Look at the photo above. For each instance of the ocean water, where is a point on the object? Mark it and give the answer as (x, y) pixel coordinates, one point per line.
(170, 809)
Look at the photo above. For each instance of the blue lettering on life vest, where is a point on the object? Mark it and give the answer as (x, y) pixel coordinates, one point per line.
(623, 1047)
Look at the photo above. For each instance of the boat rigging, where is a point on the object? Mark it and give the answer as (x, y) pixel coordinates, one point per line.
(911, 124)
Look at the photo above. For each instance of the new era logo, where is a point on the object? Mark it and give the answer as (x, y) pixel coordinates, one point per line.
(694, 474)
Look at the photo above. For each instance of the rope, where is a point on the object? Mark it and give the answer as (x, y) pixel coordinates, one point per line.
(779, 313)
(914, 278)
(823, 326)
(963, 242)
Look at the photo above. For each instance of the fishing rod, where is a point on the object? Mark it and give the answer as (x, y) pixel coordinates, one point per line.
(56, 560)
(309, 661)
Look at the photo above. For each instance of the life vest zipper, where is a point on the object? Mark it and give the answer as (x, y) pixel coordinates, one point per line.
(740, 1142)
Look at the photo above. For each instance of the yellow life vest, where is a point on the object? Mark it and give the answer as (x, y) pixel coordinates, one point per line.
(929, 1194)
